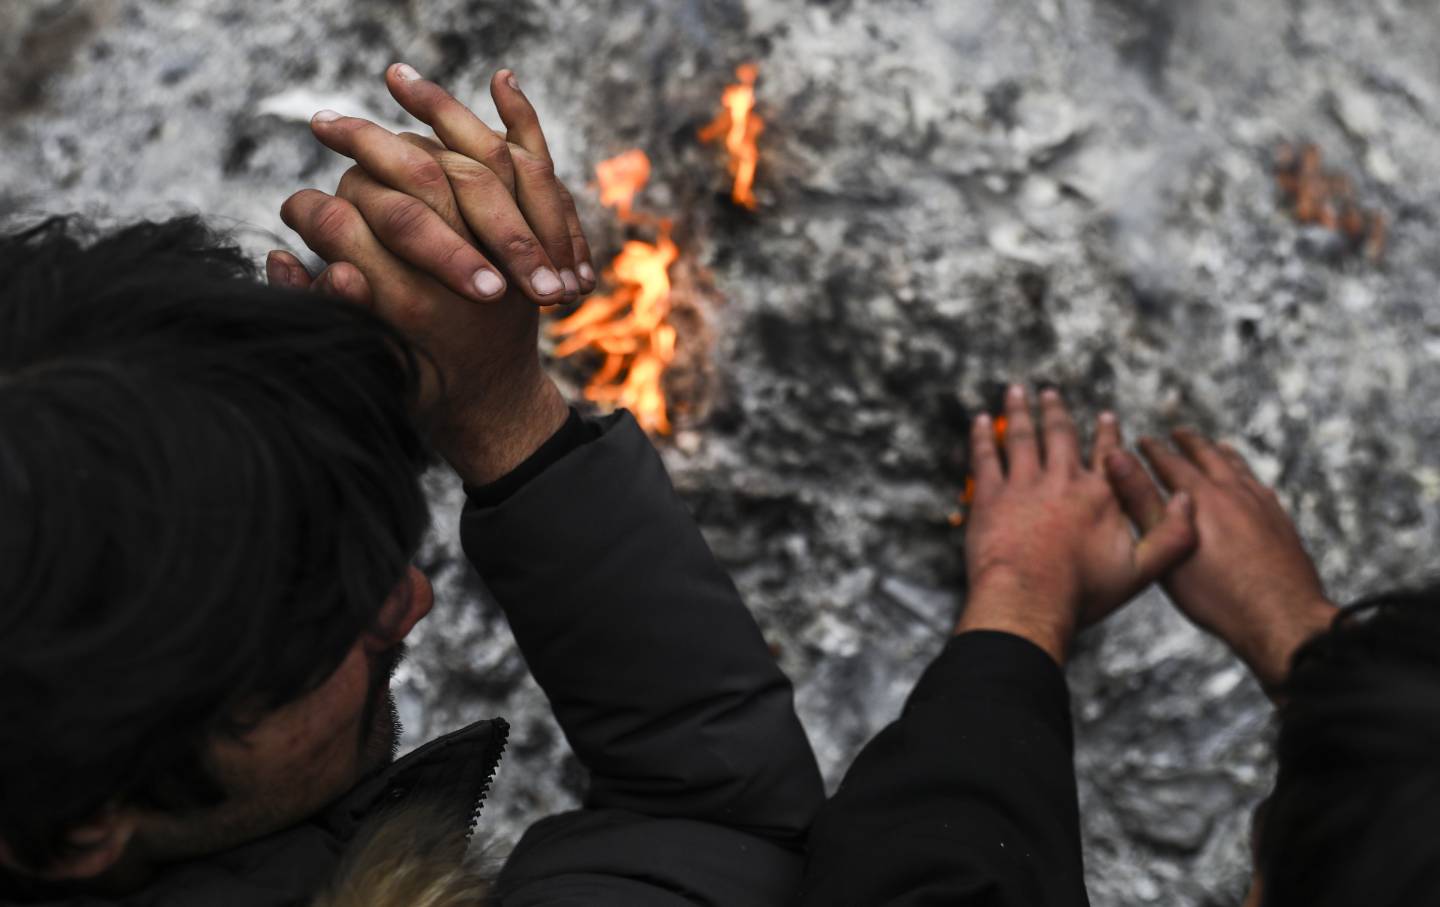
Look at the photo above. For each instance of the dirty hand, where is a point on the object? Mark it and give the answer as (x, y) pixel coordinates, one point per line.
(454, 244)
(1249, 581)
(1048, 548)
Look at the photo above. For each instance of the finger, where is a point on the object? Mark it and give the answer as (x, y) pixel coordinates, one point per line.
(343, 280)
(1062, 442)
(416, 233)
(460, 129)
(538, 193)
(335, 230)
(423, 142)
(1174, 470)
(1204, 454)
(1020, 448)
(984, 458)
(1107, 440)
(1163, 548)
(584, 267)
(502, 231)
(522, 123)
(388, 158)
(285, 270)
(1237, 461)
(1138, 494)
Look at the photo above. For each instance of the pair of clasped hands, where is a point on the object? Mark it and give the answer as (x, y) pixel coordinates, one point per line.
(456, 240)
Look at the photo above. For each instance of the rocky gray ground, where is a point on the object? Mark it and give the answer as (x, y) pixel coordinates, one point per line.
(953, 194)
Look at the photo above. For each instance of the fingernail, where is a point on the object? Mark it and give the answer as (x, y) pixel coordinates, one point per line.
(1119, 464)
(275, 271)
(512, 82)
(1050, 394)
(587, 273)
(546, 282)
(488, 283)
(325, 116)
(1108, 417)
(407, 73)
(1017, 392)
(571, 282)
(982, 420)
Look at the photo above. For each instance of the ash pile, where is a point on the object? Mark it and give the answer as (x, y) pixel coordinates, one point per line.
(951, 195)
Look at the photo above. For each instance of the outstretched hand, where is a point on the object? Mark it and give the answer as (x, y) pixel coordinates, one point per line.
(1048, 548)
(1249, 581)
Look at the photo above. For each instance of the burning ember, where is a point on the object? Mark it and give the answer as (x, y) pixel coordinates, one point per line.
(1323, 197)
(630, 326)
(738, 125)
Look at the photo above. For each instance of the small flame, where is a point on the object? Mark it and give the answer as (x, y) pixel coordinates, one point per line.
(620, 178)
(1320, 196)
(629, 325)
(740, 127)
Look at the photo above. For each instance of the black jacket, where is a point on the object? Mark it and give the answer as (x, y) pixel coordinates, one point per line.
(968, 800)
(703, 784)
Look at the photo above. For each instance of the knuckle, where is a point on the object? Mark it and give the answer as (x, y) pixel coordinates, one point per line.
(455, 254)
(403, 217)
(498, 155)
(426, 173)
(521, 246)
(332, 221)
(467, 174)
(535, 168)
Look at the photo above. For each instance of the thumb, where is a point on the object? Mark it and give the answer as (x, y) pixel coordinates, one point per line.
(1168, 541)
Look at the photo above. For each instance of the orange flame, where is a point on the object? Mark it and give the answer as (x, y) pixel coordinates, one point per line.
(740, 127)
(629, 325)
(620, 178)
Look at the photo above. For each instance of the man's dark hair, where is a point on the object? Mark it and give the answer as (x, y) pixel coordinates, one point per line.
(1353, 816)
(208, 487)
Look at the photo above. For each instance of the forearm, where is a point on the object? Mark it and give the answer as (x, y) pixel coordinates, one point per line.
(969, 798)
(654, 667)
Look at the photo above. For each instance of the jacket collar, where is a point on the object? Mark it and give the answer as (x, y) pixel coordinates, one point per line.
(451, 774)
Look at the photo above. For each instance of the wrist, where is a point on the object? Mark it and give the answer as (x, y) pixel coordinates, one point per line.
(485, 438)
(1008, 602)
(1269, 651)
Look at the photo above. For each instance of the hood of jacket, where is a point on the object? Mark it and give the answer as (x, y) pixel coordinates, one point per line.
(446, 780)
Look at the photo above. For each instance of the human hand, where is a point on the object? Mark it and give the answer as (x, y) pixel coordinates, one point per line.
(402, 234)
(1249, 581)
(1048, 548)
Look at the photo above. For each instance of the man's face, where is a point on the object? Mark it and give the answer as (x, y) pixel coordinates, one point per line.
(306, 754)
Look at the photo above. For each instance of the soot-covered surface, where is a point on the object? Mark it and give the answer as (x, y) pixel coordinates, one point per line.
(953, 194)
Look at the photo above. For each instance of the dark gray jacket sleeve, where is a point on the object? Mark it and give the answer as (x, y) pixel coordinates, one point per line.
(655, 669)
(967, 800)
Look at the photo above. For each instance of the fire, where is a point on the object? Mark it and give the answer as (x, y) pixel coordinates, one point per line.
(629, 325)
(1323, 197)
(620, 178)
(740, 127)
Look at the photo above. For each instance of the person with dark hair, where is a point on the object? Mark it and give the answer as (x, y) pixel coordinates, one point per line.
(209, 495)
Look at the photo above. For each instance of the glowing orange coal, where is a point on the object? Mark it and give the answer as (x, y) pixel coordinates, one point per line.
(629, 325)
(740, 127)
